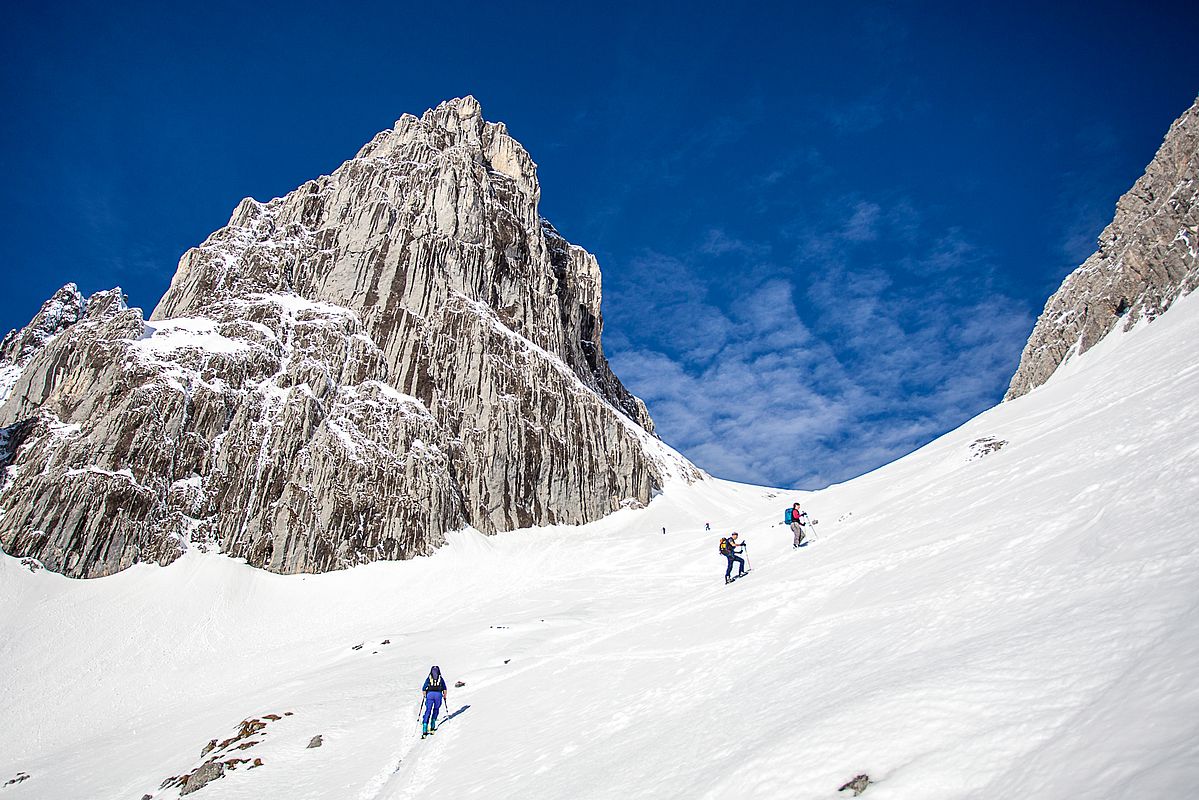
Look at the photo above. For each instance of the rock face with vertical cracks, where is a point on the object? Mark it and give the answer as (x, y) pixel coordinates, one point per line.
(1146, 260)
(344, 374)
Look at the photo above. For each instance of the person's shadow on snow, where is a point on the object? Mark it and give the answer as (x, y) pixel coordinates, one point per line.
(444, 720)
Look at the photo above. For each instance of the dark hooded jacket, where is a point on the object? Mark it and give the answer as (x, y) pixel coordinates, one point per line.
(434, 683)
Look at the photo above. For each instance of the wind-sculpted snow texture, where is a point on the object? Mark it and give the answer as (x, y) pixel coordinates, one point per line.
(1146, 260)
(341, 375)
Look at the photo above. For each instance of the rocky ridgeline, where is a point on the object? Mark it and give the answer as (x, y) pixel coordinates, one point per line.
(218, 758)
(341, 375)
(1146, 260)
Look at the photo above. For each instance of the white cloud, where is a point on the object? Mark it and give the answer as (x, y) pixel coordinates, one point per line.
(719, 243)
(807, 383)
(863, 225)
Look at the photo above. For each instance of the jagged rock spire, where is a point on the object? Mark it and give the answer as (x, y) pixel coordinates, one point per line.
(342, 374)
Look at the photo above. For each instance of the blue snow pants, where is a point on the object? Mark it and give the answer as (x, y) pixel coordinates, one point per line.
(731, 559)
(432, 708)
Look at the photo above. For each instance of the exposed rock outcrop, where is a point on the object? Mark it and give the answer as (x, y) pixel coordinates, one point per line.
(21, 778)
(1146, 260)
(340, 375)
(203, 776)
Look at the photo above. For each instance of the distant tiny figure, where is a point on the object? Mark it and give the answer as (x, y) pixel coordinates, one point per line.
(663, 531)
(707, 526)
(435, 695)
(797, 519)
(729, 548)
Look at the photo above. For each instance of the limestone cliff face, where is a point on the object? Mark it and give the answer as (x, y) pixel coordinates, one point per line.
(1146, 260)
(389, 352)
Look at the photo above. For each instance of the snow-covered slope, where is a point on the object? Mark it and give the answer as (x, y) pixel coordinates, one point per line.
(977, 620)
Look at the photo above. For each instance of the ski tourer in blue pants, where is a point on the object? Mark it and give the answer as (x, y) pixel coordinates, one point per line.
(435, 691)
(730, 548)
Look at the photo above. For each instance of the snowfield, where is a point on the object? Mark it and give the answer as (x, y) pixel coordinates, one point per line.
(975, 620)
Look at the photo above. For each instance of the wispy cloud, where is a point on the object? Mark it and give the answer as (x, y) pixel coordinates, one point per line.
(719, 243)
(1085, 201)
(803, 165)
(740, 412)
(863, 225)
(859, 116)
(1080, 238)
(121, 252)
(950, 252)
(812, 381)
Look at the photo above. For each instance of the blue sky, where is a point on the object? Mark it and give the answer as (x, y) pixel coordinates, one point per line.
(825, 234)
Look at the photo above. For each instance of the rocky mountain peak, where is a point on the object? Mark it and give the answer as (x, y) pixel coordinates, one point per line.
(65, 307)
(1146, 259)
(342, 374)
(462, 115)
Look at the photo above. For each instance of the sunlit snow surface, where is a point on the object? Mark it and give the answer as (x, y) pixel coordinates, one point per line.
(1022, 624)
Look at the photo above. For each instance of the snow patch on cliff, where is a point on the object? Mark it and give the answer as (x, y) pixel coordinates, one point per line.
(169, 335)
(9, 375)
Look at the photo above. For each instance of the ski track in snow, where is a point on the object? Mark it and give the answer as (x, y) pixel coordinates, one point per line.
(1014, 626)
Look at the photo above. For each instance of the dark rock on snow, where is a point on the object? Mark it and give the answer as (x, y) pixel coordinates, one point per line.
(858, 785)
(221, 759)
(985, 446)
(202, 777)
